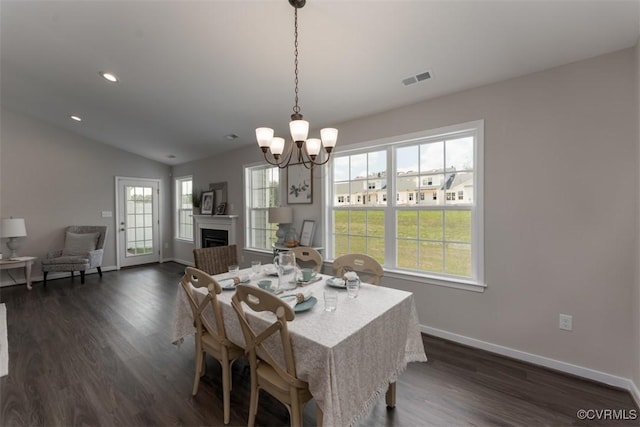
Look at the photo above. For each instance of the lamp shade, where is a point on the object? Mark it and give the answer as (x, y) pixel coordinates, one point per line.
(281, 215)
(14, 227)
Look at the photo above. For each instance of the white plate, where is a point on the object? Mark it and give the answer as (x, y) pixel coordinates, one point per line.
(336, 282)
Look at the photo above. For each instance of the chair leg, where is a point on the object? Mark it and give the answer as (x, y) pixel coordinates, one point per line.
(226, 390)
(100, 271)
(296, 413)
(253, 405)
(45, 278)
(200, 355)
(82, 277)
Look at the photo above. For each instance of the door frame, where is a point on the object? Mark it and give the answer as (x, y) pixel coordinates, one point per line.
(158, 182)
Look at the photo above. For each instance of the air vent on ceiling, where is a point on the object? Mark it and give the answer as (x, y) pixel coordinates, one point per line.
(417, 78)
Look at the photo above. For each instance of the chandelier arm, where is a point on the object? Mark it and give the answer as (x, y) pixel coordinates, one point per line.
(312, 161)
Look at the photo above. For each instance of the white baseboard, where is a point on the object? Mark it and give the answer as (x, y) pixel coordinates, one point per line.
(580, 371)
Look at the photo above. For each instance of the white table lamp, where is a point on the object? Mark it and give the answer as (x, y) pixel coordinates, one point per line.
(282, 216)
(13, 228)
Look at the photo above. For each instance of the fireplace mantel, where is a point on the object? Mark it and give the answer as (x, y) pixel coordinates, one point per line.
(215, 222)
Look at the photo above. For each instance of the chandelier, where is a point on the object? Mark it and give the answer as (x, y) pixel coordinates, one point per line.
(308, 149)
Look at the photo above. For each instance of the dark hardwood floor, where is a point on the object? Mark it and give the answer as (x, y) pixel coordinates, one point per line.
(99, 354)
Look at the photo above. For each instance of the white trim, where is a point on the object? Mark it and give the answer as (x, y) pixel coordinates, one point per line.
(159, 217)
(4, 343)
(176, 209)
(456, 283)
(580, 371)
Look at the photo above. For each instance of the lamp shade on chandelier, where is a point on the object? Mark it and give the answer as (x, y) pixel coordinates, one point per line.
(306, 149)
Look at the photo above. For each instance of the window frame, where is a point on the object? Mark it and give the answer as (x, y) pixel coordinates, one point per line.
(246, 177)
(177, 196)
(477, 280)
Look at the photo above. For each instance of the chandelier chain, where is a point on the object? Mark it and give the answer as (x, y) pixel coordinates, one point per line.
(296, 108)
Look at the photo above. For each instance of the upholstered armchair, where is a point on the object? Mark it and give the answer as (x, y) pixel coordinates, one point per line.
(83, 249)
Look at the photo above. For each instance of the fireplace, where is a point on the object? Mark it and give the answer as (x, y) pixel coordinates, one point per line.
(212, 237)
(215, 230)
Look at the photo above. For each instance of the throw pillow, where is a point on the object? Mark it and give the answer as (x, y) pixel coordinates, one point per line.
(80, 244)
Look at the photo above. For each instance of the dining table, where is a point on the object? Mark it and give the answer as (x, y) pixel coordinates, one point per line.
(350, 357)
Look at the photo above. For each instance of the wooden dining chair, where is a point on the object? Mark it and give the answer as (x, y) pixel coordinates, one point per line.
(210, 338)
(308, 258)
(216, 259)
(369, 270)
(267, 374)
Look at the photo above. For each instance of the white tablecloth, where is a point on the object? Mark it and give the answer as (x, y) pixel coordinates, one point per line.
(348, 356)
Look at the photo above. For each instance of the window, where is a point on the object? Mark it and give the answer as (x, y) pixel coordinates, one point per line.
(437, 237)
(262, 191)
(184, 208)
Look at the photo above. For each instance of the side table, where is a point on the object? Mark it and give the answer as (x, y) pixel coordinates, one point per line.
(20, 262)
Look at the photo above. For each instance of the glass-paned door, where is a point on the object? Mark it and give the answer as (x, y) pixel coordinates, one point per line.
(138, 222)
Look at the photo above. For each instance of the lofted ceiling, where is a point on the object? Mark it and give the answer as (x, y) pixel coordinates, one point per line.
(192, 72)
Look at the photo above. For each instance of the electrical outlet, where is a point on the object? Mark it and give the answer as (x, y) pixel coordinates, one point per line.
(566, 322)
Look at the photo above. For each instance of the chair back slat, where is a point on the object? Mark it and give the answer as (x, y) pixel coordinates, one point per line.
(192, 279)
(308, 258)
(258, 301)
(369, 270)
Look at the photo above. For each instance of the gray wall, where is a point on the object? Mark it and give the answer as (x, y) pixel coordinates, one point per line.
(560, 211)
(54, 178)
(561, 162)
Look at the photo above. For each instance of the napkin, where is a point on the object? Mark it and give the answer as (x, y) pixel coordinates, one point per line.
(230, 282)
(298, 297)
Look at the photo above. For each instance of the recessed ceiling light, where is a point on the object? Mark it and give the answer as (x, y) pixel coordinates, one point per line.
(109, 76)
(231, 136)
(76, 118)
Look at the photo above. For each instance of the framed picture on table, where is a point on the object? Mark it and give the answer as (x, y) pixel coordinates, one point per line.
(306, 235)
(207, 203)
(299, 184)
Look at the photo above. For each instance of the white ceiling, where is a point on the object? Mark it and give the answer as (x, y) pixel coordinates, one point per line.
(192, 72)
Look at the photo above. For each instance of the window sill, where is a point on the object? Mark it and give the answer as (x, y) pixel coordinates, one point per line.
(467, 285)
(178, 239)
(259, 251)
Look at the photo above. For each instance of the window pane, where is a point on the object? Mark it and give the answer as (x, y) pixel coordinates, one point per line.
(407, 226)
(431, 257)
(341, 222)
(460, 153)
(341, 169)
(358, 167)
(458, 259)
(407, 160)
(375, 223)
(432, 157)
(357, 244)
(357, 223)
(407, 253)
(431, 225)
(458, 226)
(375, 249)
(341, 245)
(459, 188)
